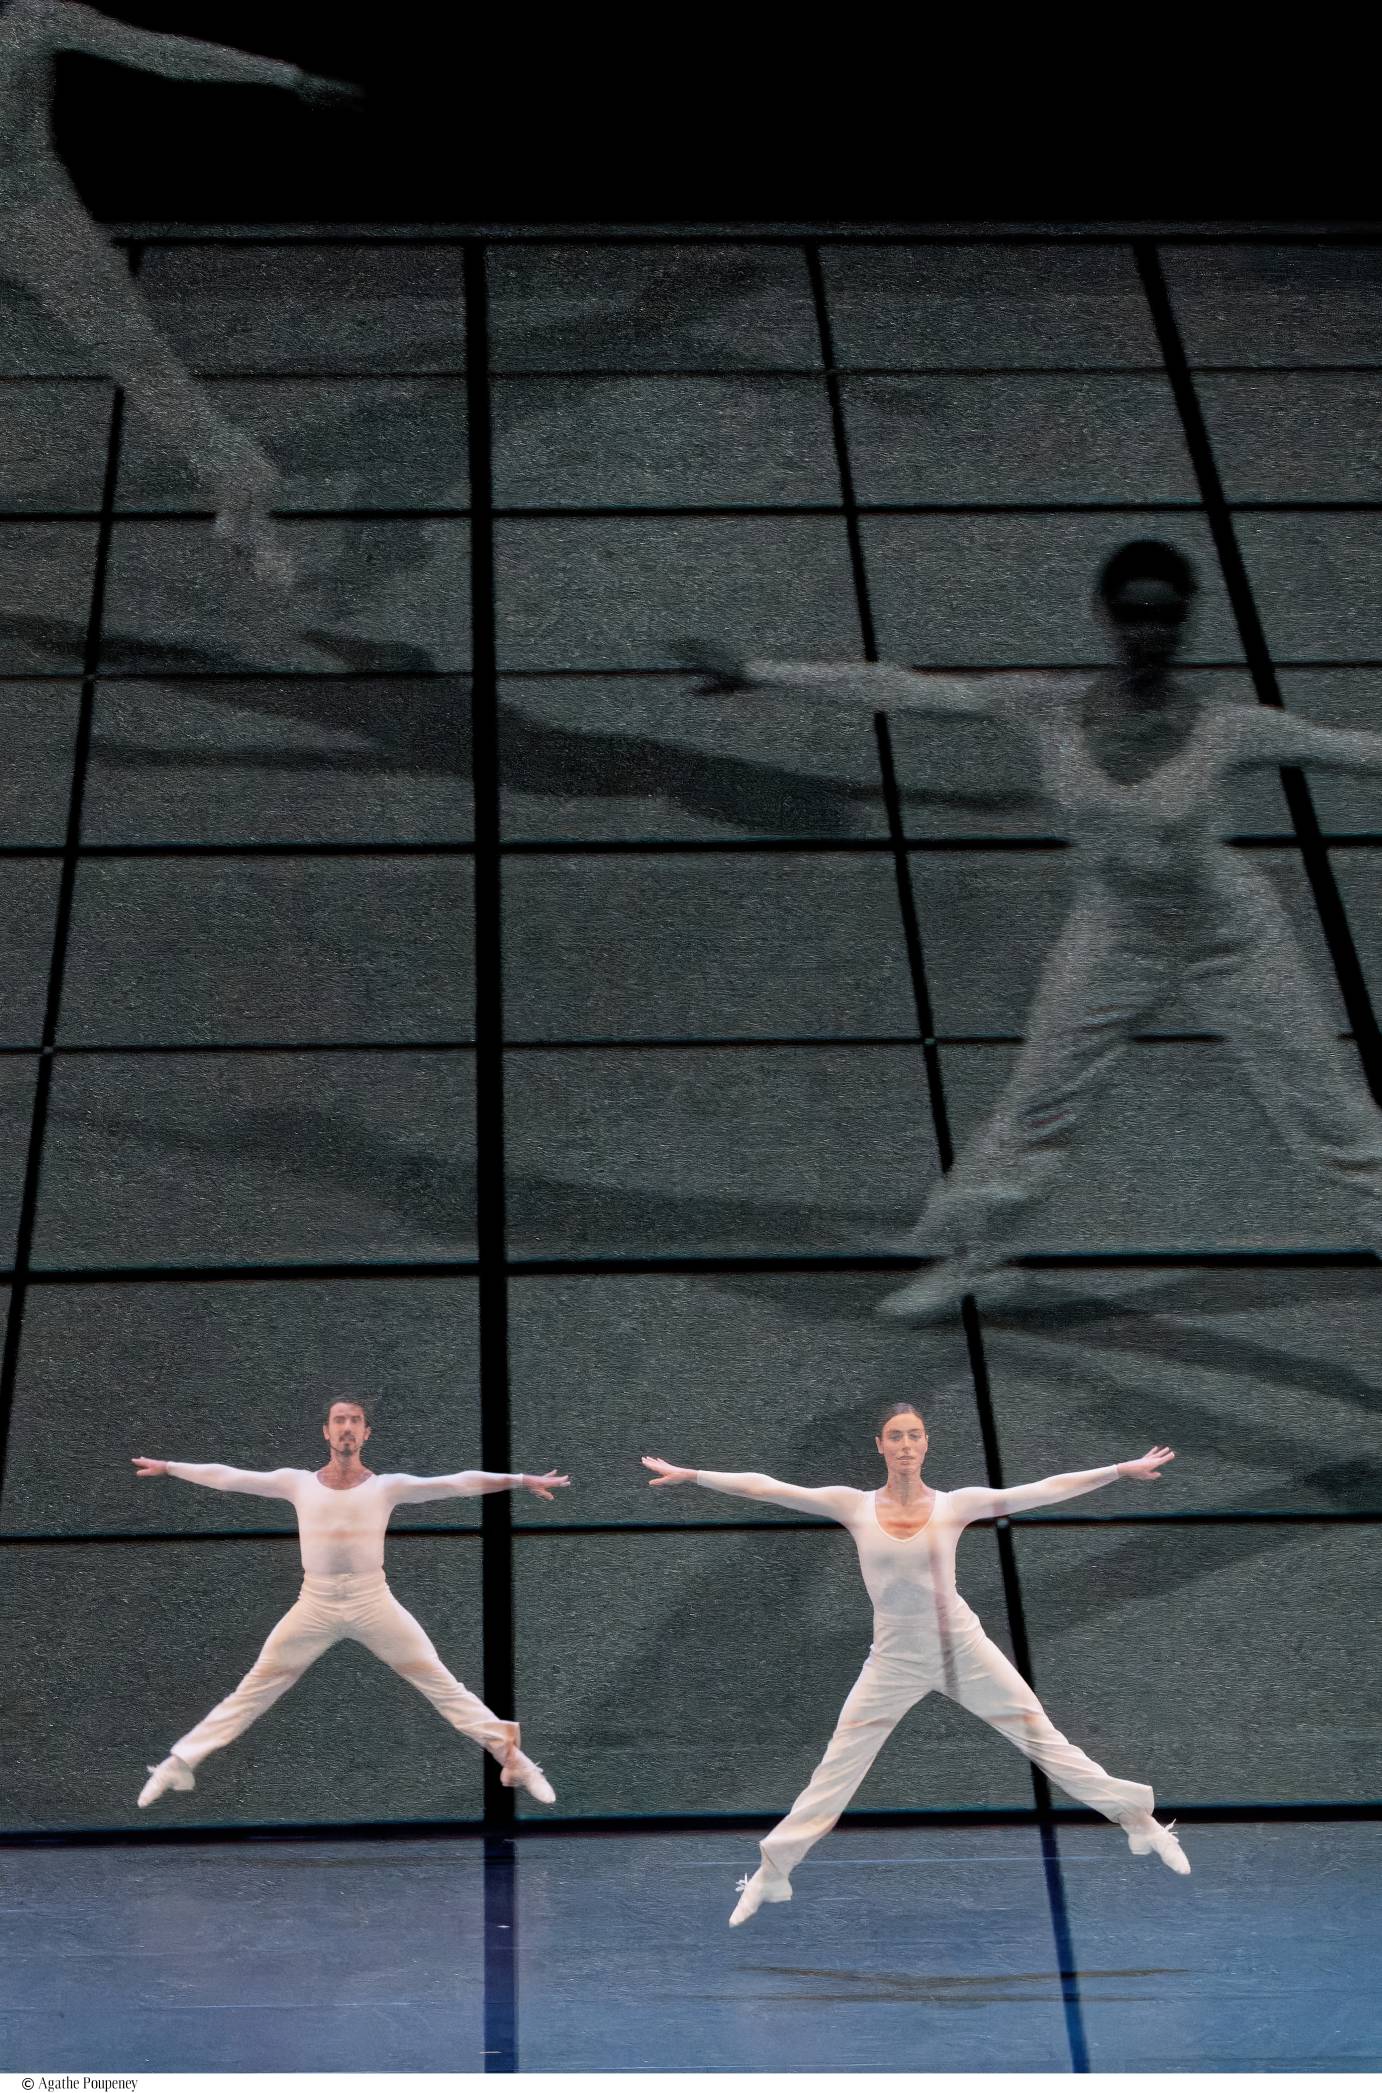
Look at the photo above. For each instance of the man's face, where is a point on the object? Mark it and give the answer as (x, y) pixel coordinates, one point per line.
(345, 1430)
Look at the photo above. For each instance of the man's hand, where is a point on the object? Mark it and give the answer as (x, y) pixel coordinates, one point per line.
(329, 94)
(1147, 1470)
(143, 1466)
(666, 1473)
(543, 1485)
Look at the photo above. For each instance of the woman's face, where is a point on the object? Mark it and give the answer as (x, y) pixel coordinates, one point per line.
(902, 1444)
(1148, 617)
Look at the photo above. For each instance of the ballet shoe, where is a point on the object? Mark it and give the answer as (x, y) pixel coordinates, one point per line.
(169, 1773)
(523, 1772)
(759, 1888)
(1145, 1835)
(517, 1770)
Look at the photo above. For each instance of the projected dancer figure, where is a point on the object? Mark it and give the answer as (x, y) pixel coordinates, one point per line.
(342, 1511)
(1134, 766)
(50, 245)
(927, 1639)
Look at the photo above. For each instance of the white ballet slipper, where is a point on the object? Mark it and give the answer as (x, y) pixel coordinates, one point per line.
(1145, 1835)
(169, 1773)
(759, 1888)
(523, 1772)
(517, 1770)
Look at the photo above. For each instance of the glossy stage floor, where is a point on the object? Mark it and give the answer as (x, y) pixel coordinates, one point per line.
(909, 1950)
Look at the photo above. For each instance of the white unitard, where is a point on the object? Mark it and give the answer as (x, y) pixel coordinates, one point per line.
(51, 247)
(344, 1597)
(1160, 903)
(926, 1639)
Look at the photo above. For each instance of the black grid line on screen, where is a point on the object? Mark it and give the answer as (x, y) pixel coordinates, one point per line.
(651, 511)
(345, 374)
(1328, 902)
(935, 1087)
(500, 1887)
(43, 1079)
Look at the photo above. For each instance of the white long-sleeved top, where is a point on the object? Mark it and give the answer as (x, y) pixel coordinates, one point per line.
(1163, 830)
(339, 1531)
(916, 1606)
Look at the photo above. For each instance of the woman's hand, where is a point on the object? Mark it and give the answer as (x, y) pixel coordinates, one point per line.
(1147, 1470)
(543, 1485)
(145, 1467)
(724, 672)
(664, 1472)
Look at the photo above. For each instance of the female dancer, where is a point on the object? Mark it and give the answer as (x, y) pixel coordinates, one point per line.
(1135, 766)
(927, 1639)
(50, 245)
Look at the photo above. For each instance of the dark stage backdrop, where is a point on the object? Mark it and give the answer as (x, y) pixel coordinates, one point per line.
(444, 1001)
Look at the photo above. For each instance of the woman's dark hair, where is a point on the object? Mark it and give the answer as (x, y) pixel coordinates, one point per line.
(1147, 559)
(899, 1410)
(358, 1402)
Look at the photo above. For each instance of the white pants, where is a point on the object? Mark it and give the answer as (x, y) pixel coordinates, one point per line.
(350, 1608)
(50, 245)
(975, 1674)
(1114, 966)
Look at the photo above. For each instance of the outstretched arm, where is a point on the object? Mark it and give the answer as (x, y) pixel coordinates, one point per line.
(251, 1482)
(80, 28)
(1027, 1497)
(470, 1482)
(1269, 736)
(871, 683)
(832, 1502)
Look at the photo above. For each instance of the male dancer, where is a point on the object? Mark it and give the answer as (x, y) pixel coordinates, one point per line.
(1135, 766)
(927, 1639)
(50, 245)
(342, 1512)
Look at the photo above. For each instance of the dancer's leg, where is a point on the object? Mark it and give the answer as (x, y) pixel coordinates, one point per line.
(1252, 983)
(304, 1632)
(983, 1681)
(52, 248)
(389, 1631)
(877, 1702)
(1109, 970)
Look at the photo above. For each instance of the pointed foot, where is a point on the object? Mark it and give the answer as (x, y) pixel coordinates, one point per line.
(169, 1773)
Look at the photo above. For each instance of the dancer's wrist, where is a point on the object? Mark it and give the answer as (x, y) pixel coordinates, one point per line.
(1118, 1471)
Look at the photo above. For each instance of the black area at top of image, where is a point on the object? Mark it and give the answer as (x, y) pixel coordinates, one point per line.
(461, 125)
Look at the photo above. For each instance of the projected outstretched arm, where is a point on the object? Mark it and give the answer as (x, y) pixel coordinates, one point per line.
(68, 25)
(874, 684)
(1269, 737)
